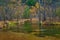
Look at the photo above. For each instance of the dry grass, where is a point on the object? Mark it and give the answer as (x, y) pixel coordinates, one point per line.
(16, 36)
(22, 36)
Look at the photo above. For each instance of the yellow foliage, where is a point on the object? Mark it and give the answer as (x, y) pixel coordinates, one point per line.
(37, 5)
(33, 9)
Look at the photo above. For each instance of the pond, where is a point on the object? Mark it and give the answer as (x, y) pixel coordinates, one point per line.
(27, 27)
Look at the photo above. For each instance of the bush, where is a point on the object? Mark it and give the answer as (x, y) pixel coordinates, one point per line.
(12, 26)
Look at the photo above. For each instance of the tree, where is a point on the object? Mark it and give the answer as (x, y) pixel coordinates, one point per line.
(26, 13)
(6, 11)
(31, 2)
(58, 12)
(23, 1)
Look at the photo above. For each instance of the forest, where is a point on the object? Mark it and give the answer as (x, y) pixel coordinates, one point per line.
(30, 19)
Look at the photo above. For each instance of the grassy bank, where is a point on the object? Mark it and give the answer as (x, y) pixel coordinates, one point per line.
(22, 36)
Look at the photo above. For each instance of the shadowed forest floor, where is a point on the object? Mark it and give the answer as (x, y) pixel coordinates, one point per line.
(22, 36)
